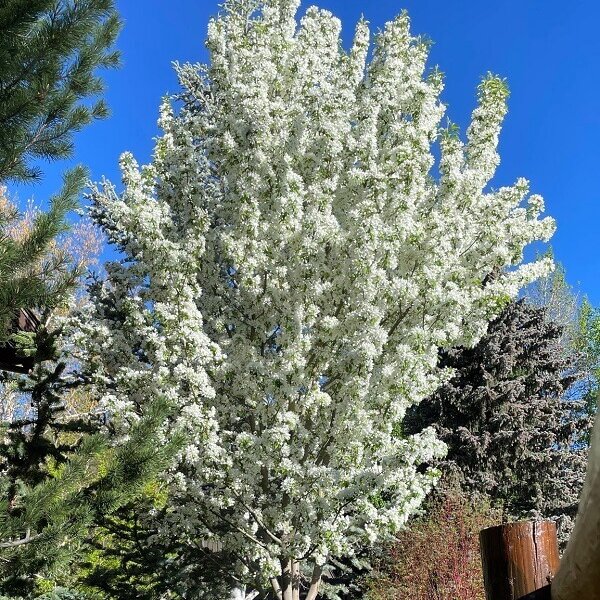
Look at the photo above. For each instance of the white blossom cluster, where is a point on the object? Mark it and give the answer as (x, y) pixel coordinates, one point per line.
(294, 259)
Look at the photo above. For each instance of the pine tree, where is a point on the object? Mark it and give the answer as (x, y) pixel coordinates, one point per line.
(125, 561)
(50, 51)
(512, 422)
(58, 474)
(45, 523)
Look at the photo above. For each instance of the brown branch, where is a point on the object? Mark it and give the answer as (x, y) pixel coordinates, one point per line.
(20, 542)
(259, 522)
(238, 529)
(401, 317)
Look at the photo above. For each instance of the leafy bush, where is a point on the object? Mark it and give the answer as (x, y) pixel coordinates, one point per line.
(437, 557)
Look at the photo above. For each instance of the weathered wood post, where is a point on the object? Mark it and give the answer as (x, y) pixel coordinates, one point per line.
(579, 575)
(519, 560)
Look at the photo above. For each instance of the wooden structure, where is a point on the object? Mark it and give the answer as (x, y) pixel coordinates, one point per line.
(519, 560)
(25, 320)
(579, 575)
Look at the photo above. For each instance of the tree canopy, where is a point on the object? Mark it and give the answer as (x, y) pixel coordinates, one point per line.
(290, 270)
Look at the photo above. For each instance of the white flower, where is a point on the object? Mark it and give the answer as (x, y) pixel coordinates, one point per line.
(292, 269)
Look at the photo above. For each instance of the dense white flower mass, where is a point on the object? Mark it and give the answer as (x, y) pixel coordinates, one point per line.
(294, 259)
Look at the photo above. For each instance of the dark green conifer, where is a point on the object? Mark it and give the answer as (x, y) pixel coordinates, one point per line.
(50, 53)
(514, 424)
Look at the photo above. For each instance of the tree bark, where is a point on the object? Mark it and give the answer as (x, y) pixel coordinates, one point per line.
(519, 559)
(287, 591)
(276, 588)
(295, 580)
(288, 585)
(315, 583)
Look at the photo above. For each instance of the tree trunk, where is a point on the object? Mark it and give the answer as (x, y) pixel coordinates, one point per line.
(287, 588)
(240, 593)
(315, 583)
(296, 580)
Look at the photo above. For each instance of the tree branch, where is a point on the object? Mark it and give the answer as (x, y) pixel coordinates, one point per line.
(276, 588)
(20, 542)
(315, 583)
(259, 522)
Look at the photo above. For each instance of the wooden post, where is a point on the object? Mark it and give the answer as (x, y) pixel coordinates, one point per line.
(579, 575)
(519, 560)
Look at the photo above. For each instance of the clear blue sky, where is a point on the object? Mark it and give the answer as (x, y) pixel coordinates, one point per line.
(548, 50)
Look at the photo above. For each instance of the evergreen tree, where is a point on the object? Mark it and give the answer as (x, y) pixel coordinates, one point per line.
(125, 562)
(45, 525)
(513, 430)
(58, 474)
(50, 51)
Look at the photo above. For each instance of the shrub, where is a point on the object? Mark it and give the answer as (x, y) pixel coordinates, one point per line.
(437, 558)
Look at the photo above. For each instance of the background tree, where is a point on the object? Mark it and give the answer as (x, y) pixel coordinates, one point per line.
(587, 343)
(50, 51)
(573, 351)
(291, 269)
(558, 298)
(581, 333)
(123, 560)
(514, 432)
(31, 276)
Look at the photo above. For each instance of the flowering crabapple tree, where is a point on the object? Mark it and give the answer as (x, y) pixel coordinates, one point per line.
(293, 259)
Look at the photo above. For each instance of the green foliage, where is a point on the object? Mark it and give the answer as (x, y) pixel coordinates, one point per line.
(59, 475)
(56, 473)
(31, 276)
(511, 417)
(57, 593)
(62, 594)
(46, 516)
(587, 343)
(49, 52)
(581, 334)
(121, 563)
(129, 559)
